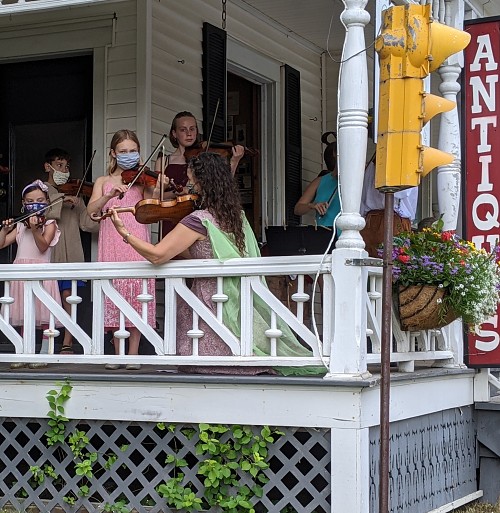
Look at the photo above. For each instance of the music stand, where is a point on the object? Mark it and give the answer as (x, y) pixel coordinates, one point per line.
(297, 240)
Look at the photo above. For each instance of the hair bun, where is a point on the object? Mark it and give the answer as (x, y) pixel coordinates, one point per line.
(326, 135)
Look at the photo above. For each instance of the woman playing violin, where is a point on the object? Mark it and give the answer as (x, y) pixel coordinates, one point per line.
(219, 229)
(71, 215)
(110, 191)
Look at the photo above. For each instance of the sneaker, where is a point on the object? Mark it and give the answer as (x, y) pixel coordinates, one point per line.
(112, 366)
(133, 366)
(37, 365)
(17, 365)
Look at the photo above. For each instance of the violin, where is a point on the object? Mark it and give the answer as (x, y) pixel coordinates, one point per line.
(225, 149)
(76, 187)
(150, 211)
(147, 178)
(25, 219)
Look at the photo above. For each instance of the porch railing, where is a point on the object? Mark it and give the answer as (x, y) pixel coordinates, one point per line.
(435, 345)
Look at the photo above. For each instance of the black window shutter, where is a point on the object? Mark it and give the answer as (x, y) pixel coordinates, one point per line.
(214, 82)
(293, 144)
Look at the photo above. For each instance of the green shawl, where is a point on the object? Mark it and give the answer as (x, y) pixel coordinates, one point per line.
(287, 345)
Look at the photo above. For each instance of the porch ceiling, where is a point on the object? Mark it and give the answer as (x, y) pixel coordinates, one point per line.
(311, 20)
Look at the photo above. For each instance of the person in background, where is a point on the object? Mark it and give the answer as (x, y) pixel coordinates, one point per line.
(219, 229)
(322, 194)
(372, 209)
(109, 191)
(71, 215)
(35, 239)
(184, 134)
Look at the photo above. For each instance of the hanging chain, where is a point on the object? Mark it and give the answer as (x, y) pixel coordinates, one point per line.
(224, 14)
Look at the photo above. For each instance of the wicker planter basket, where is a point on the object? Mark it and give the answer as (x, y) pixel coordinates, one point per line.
(420, 307)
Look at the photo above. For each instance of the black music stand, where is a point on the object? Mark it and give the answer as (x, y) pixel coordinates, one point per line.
(297, 240)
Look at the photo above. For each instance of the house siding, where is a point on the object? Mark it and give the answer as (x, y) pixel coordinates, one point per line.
(176, 66)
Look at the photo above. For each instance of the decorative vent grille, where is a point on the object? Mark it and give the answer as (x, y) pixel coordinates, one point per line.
(432, 461)
(299, 473)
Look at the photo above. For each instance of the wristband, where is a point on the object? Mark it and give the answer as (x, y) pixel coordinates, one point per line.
(126, 236)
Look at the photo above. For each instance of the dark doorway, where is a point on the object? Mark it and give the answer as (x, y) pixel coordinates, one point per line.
(243, 122)
(44, 104)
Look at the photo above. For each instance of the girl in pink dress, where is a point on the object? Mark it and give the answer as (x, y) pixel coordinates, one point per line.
(35, 240)
(123, 155)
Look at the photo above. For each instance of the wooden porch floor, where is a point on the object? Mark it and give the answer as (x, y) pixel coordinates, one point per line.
(162, 373)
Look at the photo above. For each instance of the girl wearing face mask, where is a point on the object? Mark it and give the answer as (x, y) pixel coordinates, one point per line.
(123, 155)
(35, 241)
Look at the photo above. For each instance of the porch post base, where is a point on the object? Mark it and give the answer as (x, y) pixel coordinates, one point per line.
(339, 376)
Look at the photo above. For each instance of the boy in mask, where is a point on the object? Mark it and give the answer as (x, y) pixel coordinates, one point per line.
(71, 216)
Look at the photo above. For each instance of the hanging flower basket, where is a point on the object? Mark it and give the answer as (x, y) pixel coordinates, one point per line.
(422, 307)
(438, 277)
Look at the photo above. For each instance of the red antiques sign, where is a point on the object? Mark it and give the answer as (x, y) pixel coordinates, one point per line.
(481, 123)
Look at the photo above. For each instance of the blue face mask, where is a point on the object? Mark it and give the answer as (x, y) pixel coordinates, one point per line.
(31, 208)
(127, 160)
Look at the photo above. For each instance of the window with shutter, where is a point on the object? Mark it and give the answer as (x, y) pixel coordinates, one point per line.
(293, 144)
(214, 82)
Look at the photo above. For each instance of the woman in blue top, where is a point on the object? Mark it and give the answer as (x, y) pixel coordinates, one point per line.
(322, 194)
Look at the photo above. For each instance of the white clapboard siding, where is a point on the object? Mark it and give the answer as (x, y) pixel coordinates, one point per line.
(53, 32)
(176, 86)
(121, 75)
(109, 29)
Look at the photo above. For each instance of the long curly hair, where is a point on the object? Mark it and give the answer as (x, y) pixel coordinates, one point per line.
(219, 194)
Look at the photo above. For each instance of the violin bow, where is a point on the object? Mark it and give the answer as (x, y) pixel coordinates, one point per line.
(142, 167)
(26, 216)
(213, 124)
(79, 190)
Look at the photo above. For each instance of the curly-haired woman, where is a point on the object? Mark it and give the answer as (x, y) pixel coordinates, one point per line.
(220, 230)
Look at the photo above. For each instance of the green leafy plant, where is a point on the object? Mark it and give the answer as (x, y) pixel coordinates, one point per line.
(228, 453)
(57, 399)
(470, 276)
(117, 507)
(85, 463)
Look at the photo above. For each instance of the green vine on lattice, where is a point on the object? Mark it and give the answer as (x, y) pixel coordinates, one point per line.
(84, 461)
(226, 457)
(227, 454)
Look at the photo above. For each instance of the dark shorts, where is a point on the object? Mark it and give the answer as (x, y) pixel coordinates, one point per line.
(66, 284)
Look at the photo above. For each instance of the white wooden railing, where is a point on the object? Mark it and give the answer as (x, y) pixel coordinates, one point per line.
(434, 345)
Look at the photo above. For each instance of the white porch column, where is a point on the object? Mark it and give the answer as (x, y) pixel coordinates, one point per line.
(350, 470)
(348, 352)
(448, 177)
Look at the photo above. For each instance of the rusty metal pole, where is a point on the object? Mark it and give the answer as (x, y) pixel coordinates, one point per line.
(385, 354)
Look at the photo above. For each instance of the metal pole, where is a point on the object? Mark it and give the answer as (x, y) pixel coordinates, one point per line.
(385, 354)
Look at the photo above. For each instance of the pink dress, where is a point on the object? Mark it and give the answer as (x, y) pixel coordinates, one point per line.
(210, 344)
(28, 253)
(112, 248)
